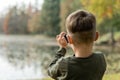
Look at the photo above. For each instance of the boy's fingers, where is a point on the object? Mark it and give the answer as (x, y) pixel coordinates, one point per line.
(63, 38)
(62, 34)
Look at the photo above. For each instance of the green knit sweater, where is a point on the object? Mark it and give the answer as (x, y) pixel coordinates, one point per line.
(72, 68)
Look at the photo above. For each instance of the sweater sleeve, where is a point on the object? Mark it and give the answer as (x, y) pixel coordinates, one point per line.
(54, 69)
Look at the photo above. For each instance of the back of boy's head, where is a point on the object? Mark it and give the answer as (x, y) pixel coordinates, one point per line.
(81, 25)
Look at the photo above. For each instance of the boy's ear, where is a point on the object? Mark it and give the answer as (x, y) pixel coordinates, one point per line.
(70, 39)
(96, 36)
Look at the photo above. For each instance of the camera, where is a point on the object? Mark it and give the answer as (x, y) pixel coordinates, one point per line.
(65, 36)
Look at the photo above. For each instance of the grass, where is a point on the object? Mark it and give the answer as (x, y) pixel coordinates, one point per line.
(117, 35)
(47, 79)
(106, 77)
(111, 77)
(107, 36)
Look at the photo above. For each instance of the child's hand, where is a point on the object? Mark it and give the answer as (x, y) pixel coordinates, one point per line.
(61, 40)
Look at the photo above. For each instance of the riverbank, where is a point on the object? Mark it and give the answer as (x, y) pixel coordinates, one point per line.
(35, 39)
(106, 77)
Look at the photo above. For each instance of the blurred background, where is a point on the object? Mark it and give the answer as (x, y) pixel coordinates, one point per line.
(28, 29)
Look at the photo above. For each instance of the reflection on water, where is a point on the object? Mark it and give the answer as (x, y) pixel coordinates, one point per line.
(28, 58)
(23, 59)
(9, 72)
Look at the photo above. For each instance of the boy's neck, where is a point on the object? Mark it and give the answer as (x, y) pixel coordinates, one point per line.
(83, 51)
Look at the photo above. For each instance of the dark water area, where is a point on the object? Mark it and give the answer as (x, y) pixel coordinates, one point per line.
(28, 58)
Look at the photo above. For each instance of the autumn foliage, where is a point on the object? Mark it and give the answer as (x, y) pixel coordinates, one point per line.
(50, 19)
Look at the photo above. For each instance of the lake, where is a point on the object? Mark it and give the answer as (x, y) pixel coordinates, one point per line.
(27, 57)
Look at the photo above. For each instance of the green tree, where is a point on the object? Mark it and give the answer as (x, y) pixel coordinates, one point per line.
(1, 24)
(110, 24)
(50, 18)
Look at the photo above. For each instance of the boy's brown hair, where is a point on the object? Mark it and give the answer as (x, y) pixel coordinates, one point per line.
(82, 26)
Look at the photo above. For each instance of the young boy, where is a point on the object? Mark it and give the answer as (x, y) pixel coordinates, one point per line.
(84, 64)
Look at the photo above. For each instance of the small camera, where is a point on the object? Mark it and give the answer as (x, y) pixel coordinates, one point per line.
(65, 36)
